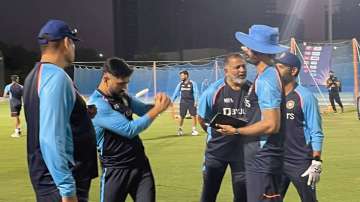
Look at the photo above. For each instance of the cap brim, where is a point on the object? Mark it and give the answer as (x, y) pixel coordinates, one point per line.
(74, 38)
(249, 42)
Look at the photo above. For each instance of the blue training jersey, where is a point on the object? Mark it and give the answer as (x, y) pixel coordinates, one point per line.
(117, 133)
(303, 128)
(264, 153)
(187, 91)
(15, 92)
(221, 98)
(61, 142)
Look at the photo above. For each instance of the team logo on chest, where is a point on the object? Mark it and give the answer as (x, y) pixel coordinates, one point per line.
(290, 104)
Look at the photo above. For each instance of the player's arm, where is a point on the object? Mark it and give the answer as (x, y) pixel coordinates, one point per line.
(140, 108)
(6, 91)
(314, 125)
(116, 122)
(57, 99)
(204, 110)
(176, 93)
(269, 124)
(328, 83)
(269, 94)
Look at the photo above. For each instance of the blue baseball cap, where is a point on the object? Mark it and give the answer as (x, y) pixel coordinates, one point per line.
(262, 38)
(55, 30)
(289, 59)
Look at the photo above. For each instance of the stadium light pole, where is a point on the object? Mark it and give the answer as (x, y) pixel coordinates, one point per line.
(2, 73)
(330, 20)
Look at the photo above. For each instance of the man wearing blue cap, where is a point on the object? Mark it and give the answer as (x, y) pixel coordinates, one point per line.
(303, 132)
(263, 147)
(61, 143)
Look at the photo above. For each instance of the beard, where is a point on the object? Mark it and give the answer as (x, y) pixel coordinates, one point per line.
(117, 94)
(239, 81)
(287, 79)
(252, 61)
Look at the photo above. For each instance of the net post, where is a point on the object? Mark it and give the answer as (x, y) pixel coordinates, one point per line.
(292, 45)
(293, 51)
(355, 62)
(154, 77)
(216, 70)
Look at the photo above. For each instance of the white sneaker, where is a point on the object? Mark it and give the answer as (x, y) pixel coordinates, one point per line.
(194, 133)
(180, 132)
(15, 135)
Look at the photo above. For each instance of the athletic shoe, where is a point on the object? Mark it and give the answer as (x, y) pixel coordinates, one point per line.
(180, 132)
(15, 135)
(194, 133)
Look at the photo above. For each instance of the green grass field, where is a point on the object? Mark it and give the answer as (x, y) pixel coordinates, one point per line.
(177, 162)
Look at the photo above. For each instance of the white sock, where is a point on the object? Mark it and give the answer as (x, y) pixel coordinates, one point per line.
(193, 128)
(17, 130)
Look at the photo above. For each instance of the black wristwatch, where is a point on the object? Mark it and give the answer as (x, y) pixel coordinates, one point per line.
(317, 158)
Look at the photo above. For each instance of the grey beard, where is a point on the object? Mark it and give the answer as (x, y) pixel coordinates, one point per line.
(239, 81)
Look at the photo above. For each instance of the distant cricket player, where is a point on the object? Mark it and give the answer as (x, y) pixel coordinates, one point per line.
(15, 92)
(188, 92)
(303, 132)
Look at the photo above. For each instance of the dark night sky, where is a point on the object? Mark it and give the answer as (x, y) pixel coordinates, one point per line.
(21, 20)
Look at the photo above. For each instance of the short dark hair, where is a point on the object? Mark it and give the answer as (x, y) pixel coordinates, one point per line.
(14, 77)
(117, 67)
(232, 55)
(184, 72)
(51, 44)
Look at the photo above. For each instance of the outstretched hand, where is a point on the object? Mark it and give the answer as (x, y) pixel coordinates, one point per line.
(226, 129)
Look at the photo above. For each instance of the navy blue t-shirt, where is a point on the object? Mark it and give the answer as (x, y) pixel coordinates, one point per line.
(188, 92)
(303, 129)
(221, 98)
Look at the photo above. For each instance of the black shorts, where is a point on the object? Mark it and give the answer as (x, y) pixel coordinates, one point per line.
(187, 106)
(117, 183)
(82, 193)
(15, 109)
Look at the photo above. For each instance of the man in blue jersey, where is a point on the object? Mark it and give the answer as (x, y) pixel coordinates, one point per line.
(303, 132)
(225, 96)
(263, 147)
(61, 142)
(14, 91)
(126, 169)
(188, 92)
